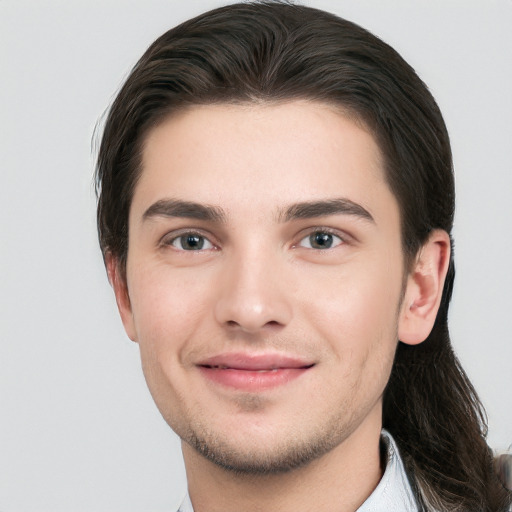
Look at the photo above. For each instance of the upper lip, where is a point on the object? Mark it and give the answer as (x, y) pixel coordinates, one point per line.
(255, 362)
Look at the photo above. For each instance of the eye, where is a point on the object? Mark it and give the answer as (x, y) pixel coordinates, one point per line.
(191, 242)
(321, 240)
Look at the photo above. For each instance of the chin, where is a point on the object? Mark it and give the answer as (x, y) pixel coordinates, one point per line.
(246, 456)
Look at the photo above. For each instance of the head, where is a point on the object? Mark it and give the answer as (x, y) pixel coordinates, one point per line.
(267, 69)
(223, 58)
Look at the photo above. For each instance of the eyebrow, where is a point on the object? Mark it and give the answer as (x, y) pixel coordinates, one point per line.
(304, 210)
(311, 209)
(186, 209)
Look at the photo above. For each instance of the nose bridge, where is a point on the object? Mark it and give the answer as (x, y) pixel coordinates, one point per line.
(253, 291)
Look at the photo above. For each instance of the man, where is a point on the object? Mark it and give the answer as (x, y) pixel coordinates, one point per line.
(275, 206)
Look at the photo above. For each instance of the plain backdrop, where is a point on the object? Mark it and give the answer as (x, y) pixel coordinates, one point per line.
(78, 429)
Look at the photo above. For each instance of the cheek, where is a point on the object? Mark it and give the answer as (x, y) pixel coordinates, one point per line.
(357, 311)
(167, 309)
(168, 312)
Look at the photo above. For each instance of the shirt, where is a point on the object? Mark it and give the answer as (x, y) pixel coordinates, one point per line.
(392, 493)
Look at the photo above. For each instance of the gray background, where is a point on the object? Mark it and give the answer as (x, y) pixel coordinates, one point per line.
(78, 430)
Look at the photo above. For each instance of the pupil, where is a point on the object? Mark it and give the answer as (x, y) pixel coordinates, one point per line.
(321, 240)
(193, 242)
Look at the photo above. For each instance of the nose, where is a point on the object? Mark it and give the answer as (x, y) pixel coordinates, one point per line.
(253, 294)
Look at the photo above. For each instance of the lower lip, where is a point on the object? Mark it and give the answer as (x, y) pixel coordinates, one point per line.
(250, 380)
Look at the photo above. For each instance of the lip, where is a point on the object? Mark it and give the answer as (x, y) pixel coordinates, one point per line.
(253, 372)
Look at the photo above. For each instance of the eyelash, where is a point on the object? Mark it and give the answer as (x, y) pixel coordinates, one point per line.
(170, 240)
(323, 231)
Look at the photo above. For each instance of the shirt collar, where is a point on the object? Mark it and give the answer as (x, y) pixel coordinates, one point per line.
(394, 490)
(392, 493)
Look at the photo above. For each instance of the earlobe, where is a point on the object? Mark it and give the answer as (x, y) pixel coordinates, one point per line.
(117, 280)
(424, 289)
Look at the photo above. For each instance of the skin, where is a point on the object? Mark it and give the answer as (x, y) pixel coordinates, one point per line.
(258, 283)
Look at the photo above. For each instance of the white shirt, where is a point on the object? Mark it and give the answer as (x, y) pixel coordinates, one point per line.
(393, 493)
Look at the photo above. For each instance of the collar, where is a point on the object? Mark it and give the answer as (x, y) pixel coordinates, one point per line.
(394, 490)
(392, 493)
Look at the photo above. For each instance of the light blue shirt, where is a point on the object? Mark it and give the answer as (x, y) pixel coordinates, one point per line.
(393, 493)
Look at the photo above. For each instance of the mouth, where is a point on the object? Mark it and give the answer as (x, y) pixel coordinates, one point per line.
(249, 372)
(263, 370)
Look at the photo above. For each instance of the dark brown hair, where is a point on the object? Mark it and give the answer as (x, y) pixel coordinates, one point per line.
(275, 51)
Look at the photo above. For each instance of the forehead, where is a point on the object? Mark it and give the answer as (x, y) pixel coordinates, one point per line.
(260, 156)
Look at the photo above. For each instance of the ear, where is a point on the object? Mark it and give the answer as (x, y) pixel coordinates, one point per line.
(117, 279)
(424, 289)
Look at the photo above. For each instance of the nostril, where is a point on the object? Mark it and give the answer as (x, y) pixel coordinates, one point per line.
(251, 313)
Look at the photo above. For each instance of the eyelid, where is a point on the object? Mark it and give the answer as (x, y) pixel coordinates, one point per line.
(342, 235)
(168, 239)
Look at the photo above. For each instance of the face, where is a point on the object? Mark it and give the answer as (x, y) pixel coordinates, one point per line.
(264, 281)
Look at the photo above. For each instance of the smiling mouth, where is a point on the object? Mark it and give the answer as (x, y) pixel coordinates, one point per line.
(261, 370)
(253, 373)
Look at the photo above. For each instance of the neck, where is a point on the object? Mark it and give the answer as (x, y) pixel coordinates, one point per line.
(340, 480)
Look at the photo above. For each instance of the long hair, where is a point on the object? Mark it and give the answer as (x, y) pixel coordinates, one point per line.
(275, 51)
